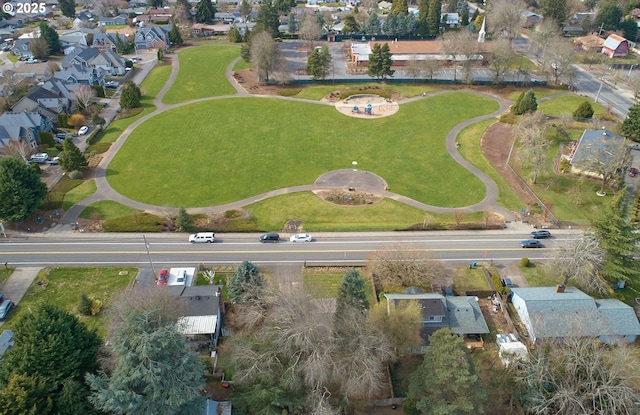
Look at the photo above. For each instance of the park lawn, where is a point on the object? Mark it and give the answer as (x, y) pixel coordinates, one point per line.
(470, 148)
(151, 86)
(538, 276)
(566, 104)
(65, 286)
(317, 92)
(241, 65)
(521, 62)
(106, 210)
(469, 279)
(246, 155)
(79, 193)
(202, 74)
(540, 93)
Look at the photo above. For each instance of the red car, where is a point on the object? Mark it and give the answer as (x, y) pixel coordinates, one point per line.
(633, 172)
(163, 276)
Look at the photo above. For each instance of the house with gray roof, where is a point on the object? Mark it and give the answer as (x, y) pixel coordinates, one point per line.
(119, 20)
(23, 126)
(593, 144)
(461, 314)
(103, 41)
(73, 38)
(77, 74)
(43, 101)
(559, 312)
(21, 48)
(201, 319)
(150, 37)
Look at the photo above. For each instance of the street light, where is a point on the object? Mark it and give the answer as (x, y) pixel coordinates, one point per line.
(148, 246)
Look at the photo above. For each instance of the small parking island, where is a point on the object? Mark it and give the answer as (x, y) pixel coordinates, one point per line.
(367, 106)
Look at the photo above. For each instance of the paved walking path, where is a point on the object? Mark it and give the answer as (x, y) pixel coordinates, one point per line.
(325, 182)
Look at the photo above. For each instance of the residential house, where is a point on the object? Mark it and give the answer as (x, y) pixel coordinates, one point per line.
(572, 30)
(151, 37)
(589, 147)
(72, 38)
(103, 41)
(225, 17)
(79, 56)
(461, 314)
(119, 20)
(84, 18)
(21, 48)
(23, 126)
(11, 23)
(77, 74)
(450, 20)
(385, 5)
(203, 306)
(106, 60)
(45, 102)
(559, 312)
(615, 47)
(155, 15)
(530, 19)
(205, 30)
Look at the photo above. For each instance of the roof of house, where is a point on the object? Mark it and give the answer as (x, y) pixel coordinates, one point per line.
(202, 303)
(212, 407)
(572, 312)
(613, 42)
(589, 143)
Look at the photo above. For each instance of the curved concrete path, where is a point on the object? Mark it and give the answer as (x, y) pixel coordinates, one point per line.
(328, 181)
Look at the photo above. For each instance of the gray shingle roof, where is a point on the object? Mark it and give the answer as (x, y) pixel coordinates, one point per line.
(590, 141)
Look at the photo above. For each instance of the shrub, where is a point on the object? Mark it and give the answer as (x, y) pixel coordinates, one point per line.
(524, 262)
(525, 103)
(96, 306)
(498, 284)
(85, 305)
(98, 148)
(289, 92)
(228, 214)
(62, 120)
(183, 221)
(584, 110)
(139, 222)
(76, 175)
(409, 407)
(46, 137)
(565, 165)
(99, 90)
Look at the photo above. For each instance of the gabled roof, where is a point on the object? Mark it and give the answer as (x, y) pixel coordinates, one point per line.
(572, 312)
(13, 122)
(613, 42)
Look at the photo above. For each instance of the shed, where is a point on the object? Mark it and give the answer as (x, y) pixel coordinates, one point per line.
(615, 47)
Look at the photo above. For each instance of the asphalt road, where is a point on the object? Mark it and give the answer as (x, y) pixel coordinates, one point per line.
(455, 247)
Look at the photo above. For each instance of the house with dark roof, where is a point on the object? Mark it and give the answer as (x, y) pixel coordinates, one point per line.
(23, 126)
(83, 18)
(560, 312)
(461, 314)
(118, 20)
(151, 37)
(615, 47)
(21, 48)
(103, 41)
(77, 74)
(43, 101)
(202, 311)
(106, 60)
(593, 144)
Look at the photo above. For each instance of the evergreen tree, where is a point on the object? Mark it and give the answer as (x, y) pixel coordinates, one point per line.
(630, 29)
(246, 285)
(554, 9)
(584, 110)
(234, 35)
(609, 16)
(283, 6)
(445, 382)
(372, 25)
(391, 24)
(380, 62)
(205, 11)
(399, 6)
(21, 190)
(351, 25)
(526, 103)
(25, 395)
(130, 96)
(619, 239)
(313, 65)
(423, 17)
(72, 158)
(292, 23)
(268, 19)
(154, 374)
(352, 290)
(183, 220)
(433, 18)
(67, 7)
(631, 125)
(186, 4)
(174, 36)
(51, 36)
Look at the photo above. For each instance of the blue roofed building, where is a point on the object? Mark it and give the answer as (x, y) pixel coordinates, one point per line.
(595, 145)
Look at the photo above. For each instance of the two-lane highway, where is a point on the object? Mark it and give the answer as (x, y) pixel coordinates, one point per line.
(173, 250)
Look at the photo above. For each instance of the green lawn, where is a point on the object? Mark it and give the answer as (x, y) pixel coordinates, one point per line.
(564, 104)
(259, 143)
(470, 148)
(79, 193)
(107, 209)
(65, 285)
(5, 273)
(325, 282)
(202, 74)
(465, 279)
(540, 93)
(317, 92)
(538, 276)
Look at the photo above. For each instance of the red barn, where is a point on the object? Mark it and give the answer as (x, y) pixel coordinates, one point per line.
(615, 47)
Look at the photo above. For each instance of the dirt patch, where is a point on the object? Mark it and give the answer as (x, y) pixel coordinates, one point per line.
(249, 81)
(348, 198)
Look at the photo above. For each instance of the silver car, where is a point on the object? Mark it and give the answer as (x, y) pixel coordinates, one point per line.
(301, 237)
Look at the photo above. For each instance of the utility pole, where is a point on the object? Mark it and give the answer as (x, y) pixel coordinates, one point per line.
(148, 246)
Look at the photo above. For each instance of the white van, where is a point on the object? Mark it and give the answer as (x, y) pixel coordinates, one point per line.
(202, 237)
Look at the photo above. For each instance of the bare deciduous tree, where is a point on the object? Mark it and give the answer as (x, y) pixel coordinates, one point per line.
(606, 159)
(531, 133)
(84, 94)
(310, 30)
(265, 55)
(414, 68)
(502, 58)
(578, 376)
(506, 18)
(403, 266)
(400, 322)
(19, 149)
(39, 47)
(431, 67)
(542, 36)
(463, 48)
(581, 260)
(558, 59)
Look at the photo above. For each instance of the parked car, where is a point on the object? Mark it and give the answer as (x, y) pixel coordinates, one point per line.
(55, 160)
(633, 172)
(506, 282)
(31, 60)
(270, 237)
(540, 234)
(202, 237)
(111, 84)
(531, 243)
(83, 130)
(163, 276)
(301, 237)
(5, 309)
(39, 158)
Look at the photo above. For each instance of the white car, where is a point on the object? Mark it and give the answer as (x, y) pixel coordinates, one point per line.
(83, 130)
(301, 237)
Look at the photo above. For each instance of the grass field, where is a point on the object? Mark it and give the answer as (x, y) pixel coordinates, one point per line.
(317, 92)
(76, 194)
(65, 285)
(107, 209)
(202, 74)
(5, 273)
(220, 162)
(465, 279)
(325, 282)
(566, 104)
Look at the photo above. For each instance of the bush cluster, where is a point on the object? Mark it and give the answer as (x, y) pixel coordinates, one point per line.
(89, 306)
(142, 222)
(289, 92)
